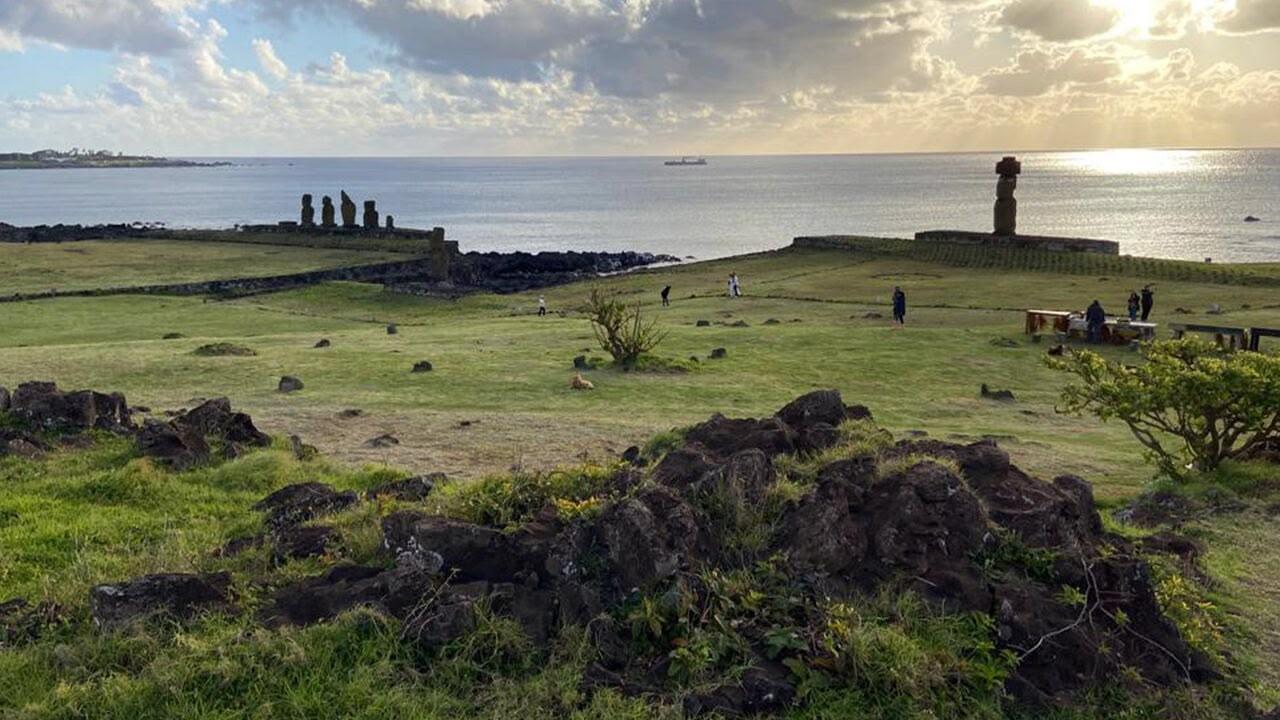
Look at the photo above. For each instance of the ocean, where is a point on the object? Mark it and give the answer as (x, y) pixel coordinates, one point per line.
(1186, 204)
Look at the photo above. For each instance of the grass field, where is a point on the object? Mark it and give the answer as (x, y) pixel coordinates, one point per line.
(96, 264)
(505, 373)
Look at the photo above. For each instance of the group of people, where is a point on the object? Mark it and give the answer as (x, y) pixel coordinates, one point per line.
(1139, 304)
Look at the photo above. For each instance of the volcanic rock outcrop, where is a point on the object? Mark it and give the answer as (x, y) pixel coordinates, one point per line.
(926, 517)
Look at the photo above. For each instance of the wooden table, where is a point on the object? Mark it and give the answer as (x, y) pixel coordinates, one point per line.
(1038, 319)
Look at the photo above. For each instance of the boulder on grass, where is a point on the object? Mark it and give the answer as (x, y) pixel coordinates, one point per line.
(42, 404)
(173, 445)
(296, 504)
(289, 384)
(177, 595)
(423, 366)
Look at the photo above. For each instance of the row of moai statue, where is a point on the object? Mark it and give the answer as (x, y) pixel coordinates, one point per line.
(328, 220)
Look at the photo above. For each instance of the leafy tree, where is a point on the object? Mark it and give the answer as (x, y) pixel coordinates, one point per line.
(621, 329)
(1190, 403)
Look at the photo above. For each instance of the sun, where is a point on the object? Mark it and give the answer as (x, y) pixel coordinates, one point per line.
(1132, 161)
(1133, 16)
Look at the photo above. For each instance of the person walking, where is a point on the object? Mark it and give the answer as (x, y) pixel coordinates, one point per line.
(731, 278)
(1135, 304)
(1148, 301)
(666, 296)
(899, 307)
(542, 306)
(735, 286)
(1097, 319)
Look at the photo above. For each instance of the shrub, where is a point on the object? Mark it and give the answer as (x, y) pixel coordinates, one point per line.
(511, 499)
(1218, 405)
(620, 329)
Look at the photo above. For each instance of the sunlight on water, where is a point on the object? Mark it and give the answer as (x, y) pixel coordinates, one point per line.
(1128, 161)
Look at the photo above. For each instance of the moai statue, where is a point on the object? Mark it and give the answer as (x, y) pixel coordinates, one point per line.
(308, 212)
(326, 212)
(370, 214)
(1006, 207)
(348, 211)
(391, 223)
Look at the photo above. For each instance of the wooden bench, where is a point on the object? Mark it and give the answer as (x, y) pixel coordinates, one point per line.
(1256, 335)
(1238, 336)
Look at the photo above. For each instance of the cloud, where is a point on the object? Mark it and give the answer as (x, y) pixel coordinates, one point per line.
(1060, 20)
(1036, 72)
(1252, 16)
(137, 26)
(712, 49)
(268, 59)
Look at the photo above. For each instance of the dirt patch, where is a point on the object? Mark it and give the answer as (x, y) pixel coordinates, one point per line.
(462, 444)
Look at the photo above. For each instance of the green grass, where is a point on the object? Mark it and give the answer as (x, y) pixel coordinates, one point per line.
(80, 518)
(101, 264)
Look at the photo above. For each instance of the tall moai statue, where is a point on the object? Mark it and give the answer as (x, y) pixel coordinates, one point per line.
(326, 212)
(391, 223)
(348, 211)
(308, 212)
(370, 214)
(1006, 207)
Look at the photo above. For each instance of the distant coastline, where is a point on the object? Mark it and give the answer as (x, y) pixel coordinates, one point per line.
(80, 159)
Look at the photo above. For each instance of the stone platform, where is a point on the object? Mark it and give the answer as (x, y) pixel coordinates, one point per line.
(1028, 242)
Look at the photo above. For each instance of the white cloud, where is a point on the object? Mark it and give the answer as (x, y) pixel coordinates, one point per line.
(267, 58)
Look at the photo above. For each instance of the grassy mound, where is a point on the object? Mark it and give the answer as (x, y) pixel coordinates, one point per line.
(224, 349)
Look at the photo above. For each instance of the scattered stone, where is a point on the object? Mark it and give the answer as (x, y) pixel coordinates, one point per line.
(173, 336)
(289, 384)
(422, 367)
(631, 455)
(1004, 342)
(382, 442)
(296, 504)
(392, 329)
(739, 324)
(178, 595)
(175, 445)
(301, 450)
(413, 489)
(917, 433)
(996, 395)
(764, 689)
(215, 418)
(873, 316)
(297, 543)
(703, 323)
(1214, 309)
(21, 622)
(22, 447)
(351, 413)
(581, 383)
(581, 363)
(4, 400)
(773, 321)
(719, 354)
(224, 349)
(1183, 311)
(1252, 219)
(1057, 350)
(46, 407)
(323, 343)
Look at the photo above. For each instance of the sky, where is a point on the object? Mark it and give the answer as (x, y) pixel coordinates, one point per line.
(626, 77)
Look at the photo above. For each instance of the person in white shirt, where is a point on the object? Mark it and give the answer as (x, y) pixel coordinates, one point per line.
(542, 305)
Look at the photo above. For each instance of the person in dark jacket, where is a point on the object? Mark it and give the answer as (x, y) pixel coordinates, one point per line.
(899, 307)
(1148, 301)
(1097, 319)
(666, 296)
(1135, 304)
